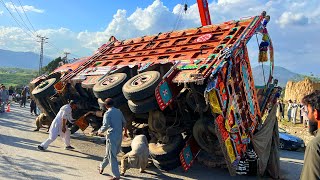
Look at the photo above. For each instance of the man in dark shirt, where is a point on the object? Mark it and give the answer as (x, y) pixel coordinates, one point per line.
(311, 167)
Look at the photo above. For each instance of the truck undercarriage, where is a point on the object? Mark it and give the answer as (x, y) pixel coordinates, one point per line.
(184, 86)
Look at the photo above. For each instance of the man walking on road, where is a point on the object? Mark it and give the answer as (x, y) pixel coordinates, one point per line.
(311, 167)
(59, 127)
(23, 97)
(4, 98)
(113, 123)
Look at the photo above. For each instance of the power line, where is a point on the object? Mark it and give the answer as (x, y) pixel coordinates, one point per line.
(25, 25)
(15, 19)
(33, 33)
(26, 16)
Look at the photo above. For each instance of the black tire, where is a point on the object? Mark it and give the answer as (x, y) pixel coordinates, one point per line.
(45, 88)
(204, 134)
(141, 86)
(157, 122)
(94, 122)
(110, 85)
(119, 101)
(143, 106)
(281, 144)
(56, 75)
(126, 145)
(190, 99)
(167, 165)
(162, 152)
(74, 128)
(210, 160)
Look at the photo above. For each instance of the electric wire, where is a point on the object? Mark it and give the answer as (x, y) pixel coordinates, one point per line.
(16, 20)
(27, 30)
(26, 16)
(25, 25)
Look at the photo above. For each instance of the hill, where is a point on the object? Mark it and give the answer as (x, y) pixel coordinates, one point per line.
(282, 74)
(26, 60)
(16, 76)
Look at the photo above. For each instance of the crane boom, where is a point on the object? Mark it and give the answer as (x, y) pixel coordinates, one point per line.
(204, 12)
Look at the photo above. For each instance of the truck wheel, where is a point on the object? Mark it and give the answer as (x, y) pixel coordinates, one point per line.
(126, 145)
(211, 161)
(141, 86)
(74, 128)
(162, 152)
(167, 165)
(143, 106)
(110, 85)
(191, 101)
(119, 100)
(94, 121)
(45, 88)
(204, 134)
(157, 122)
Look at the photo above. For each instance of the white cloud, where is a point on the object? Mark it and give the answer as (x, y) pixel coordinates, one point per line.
(1, 12)
(24, 8)
(294, 28)
(289, 18)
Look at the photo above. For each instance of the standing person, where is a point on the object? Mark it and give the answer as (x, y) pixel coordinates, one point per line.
(33, 107)
(282, 105)
(304, 111)
(23, 97)
(59, 127)
(294, 111)
(113, 123)
(1, 98)
(311, 166)
(11, 93)
(279, 110)
(4, 97)
(289, 110)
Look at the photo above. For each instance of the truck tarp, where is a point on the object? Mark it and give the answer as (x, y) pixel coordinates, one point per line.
(266, 145)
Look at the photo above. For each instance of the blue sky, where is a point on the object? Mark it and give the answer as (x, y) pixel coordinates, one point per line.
(80, 27)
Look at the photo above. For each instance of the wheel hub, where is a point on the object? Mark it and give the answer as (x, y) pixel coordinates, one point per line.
(43, 84)
(110, 80)
(141, 80)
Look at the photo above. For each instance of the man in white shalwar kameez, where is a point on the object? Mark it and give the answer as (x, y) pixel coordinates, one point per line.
(113, 123)
(59, 127)
(138, 156)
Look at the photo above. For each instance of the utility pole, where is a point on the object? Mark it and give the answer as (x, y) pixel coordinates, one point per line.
(42, 40)
(65, 59)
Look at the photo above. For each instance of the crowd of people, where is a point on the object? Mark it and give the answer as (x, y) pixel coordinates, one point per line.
(293, 109)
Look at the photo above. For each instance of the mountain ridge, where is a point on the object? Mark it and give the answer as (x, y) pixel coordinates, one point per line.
(24, 60)
(260, 75)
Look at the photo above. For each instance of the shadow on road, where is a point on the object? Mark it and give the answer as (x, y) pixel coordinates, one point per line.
(14, 166)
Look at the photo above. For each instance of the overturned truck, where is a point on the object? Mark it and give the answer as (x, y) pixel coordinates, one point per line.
(189, 90)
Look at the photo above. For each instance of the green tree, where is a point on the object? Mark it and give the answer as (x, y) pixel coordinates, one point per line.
(52, 65)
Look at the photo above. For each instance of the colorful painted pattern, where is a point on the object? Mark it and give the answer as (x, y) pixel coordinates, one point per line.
(163, 95)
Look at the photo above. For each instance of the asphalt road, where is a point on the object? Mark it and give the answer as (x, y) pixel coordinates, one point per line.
(20, 159)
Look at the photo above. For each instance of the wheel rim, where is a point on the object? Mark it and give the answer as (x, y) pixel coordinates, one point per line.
(281, 145)
(43, 84)
(110, 80)
(141, 80)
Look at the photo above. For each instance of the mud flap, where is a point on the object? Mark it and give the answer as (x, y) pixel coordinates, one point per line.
(189, 153)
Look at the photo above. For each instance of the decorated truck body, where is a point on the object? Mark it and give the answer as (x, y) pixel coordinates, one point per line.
(188, 90)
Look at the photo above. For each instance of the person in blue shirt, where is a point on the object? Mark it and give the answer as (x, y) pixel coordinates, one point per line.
(113, 123)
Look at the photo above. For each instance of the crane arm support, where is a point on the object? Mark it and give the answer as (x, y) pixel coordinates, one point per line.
(204, 12)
